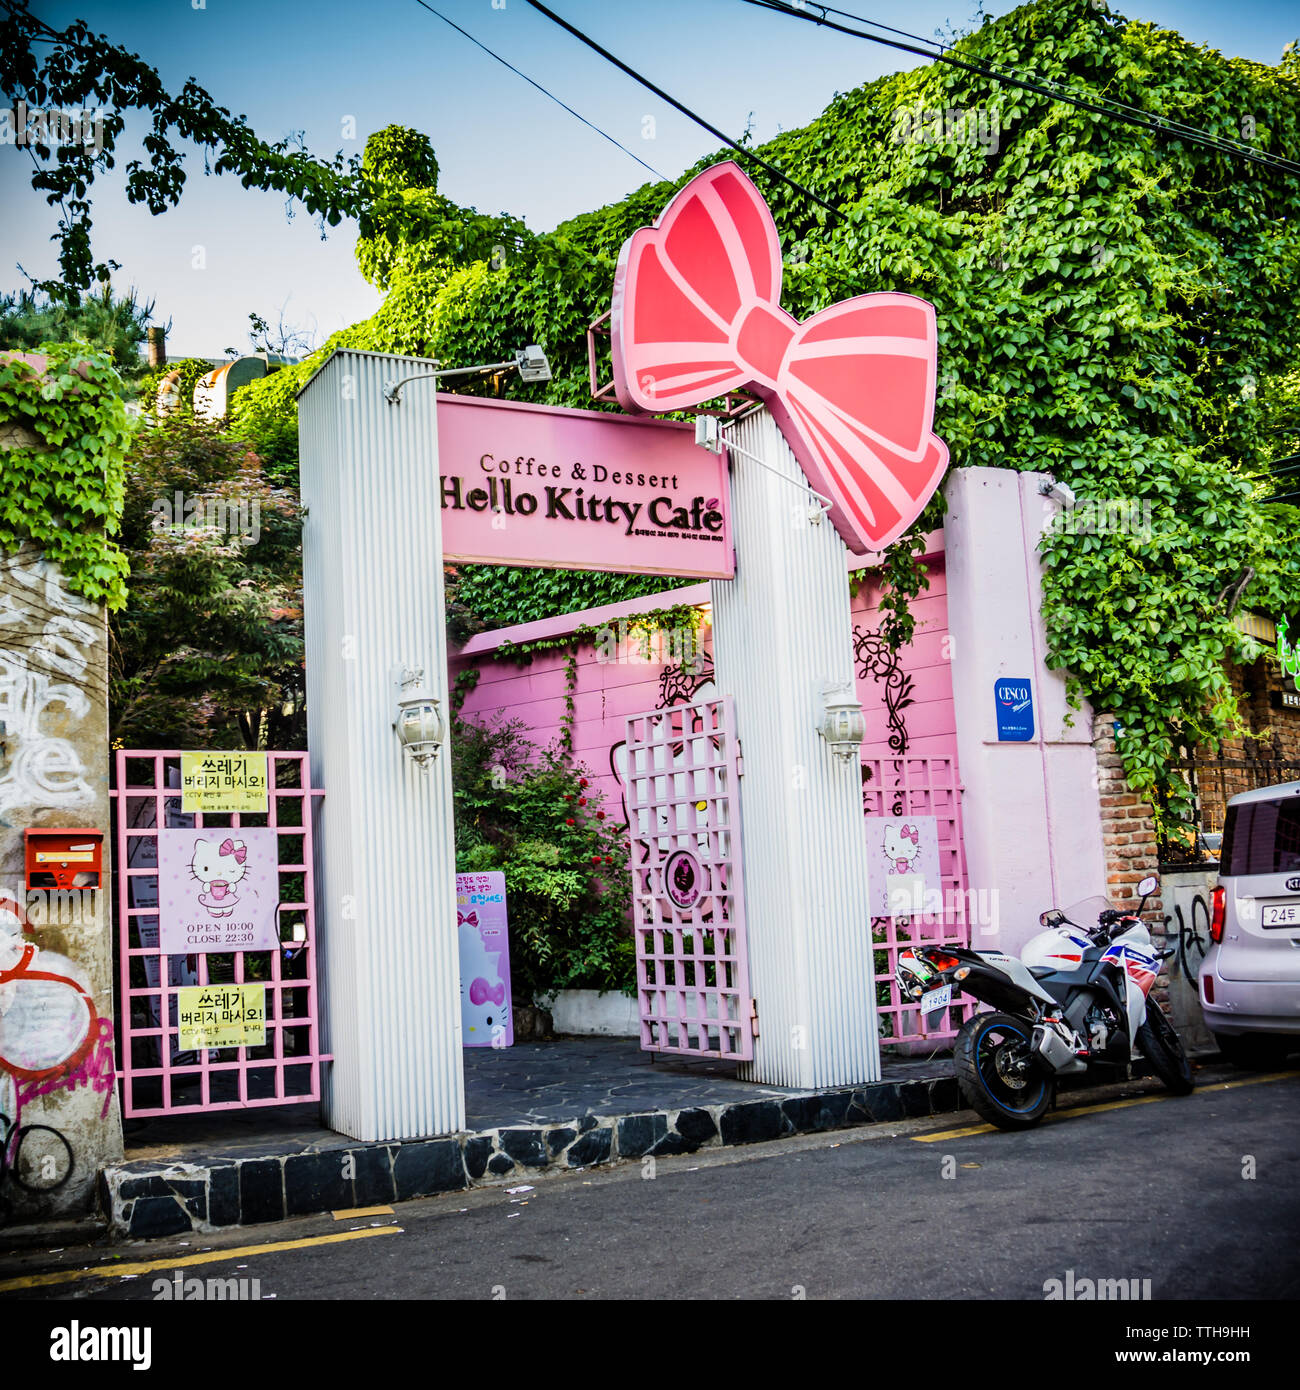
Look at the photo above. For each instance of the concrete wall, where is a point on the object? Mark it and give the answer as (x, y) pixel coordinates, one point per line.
(56, 1032)
(1186, 897)
(1032, 823)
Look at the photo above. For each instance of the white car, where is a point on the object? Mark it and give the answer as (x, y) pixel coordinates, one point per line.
(1250, 981)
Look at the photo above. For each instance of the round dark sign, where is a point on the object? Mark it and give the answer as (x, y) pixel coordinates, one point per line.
(683, 879)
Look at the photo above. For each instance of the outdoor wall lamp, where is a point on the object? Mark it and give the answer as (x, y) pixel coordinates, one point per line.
(419, 723)
(709, 435)
(530, 362)
(842, 724)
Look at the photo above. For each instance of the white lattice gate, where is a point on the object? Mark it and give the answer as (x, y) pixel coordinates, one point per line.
(688, 900)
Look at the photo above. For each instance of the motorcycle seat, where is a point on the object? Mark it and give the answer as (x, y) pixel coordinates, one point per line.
(1040, 972)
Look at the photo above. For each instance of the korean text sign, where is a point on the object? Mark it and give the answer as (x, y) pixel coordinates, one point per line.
(223, 782)
(221, 1016)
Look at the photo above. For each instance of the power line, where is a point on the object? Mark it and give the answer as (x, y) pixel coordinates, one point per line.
(589, 124)
(1103, 106)
(685, 110)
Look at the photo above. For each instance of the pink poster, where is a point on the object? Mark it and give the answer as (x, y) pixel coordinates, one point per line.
(485, 1014)
(218, 889)
(903, 862)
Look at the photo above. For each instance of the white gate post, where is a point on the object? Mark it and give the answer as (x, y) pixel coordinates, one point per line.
(373, 597)
(781, 632)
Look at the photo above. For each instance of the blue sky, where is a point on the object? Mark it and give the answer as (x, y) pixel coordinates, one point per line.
(291, 65)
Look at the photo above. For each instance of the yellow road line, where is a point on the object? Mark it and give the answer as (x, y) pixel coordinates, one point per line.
(349, 1212)
(1074, 1111)
(205, 1257)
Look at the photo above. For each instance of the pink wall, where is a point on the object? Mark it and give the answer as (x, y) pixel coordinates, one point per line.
(607, 692)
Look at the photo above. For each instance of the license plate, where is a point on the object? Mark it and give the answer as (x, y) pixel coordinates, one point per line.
(936, 999)
(1281, 915)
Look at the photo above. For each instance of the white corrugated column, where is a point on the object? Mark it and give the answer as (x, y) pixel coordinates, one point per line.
(373, 594)
(781, 629)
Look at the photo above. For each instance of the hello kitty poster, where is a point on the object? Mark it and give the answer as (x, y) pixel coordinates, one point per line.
(903, 865)
(218, 889)
(485, 1005)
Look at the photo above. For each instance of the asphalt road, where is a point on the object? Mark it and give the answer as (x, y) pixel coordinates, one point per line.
(1201, 1195)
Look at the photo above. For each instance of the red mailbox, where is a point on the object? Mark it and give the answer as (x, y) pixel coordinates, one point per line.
(64, 858)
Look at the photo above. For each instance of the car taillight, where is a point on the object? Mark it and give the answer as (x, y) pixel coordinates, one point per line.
(1218, 911)
(1207, 984)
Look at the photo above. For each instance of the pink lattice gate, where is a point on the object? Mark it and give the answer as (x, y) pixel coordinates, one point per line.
(920, 786)
(158, 1077)
(688, 901)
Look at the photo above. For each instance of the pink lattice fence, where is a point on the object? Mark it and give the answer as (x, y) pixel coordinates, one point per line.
(157, 1076)
(920, 786)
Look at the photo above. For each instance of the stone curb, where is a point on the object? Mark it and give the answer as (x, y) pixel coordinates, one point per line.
(148, 1198)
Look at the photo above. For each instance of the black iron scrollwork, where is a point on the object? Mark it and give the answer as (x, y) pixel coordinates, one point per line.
(877, 659)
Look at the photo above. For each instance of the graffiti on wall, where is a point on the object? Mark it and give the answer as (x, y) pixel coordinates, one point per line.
(47, 639)
(1192, 942)
(52, 1037)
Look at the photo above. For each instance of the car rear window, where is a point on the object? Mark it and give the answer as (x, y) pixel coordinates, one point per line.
(1261, 837)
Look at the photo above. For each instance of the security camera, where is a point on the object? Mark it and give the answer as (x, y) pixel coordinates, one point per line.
(708, 435)
(532, 364)
(1058, 492)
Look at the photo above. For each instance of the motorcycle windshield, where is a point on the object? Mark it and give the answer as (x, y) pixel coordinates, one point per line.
(1085, 912)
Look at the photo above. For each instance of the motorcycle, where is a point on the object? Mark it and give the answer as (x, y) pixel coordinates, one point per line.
(1078, 998)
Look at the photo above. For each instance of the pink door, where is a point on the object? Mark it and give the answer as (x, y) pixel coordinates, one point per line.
(688, 900)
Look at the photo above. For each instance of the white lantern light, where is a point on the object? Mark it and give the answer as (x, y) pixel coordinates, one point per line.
(842, 724)
(419, 722)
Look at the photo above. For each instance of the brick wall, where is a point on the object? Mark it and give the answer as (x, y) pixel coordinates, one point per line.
(1128, 836)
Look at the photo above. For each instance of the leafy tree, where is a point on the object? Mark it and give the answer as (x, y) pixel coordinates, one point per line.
(208, 649)
(75, 69)
(532, 814)
(118, 327)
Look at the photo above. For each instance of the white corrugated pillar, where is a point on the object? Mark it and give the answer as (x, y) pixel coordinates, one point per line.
(373, 594)
(781, 630)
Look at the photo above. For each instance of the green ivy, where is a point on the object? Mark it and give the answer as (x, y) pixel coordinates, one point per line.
(1115, 307)
(66, 492)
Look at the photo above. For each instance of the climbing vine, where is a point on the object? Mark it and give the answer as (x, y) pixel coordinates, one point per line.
(1115, 308)
(66, 490)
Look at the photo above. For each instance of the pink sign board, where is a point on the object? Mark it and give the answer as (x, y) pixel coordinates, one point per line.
(217, 890)
(485, 1013)
(577, 489)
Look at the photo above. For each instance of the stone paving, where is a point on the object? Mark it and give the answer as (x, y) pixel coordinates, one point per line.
(537, 1108)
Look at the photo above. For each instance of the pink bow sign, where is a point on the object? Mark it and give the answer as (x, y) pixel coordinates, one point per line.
(486, 1017)
(696, 314)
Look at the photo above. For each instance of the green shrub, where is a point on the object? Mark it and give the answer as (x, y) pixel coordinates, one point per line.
(532, 813)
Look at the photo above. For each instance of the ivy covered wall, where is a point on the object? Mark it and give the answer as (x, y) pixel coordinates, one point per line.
(1115, 306)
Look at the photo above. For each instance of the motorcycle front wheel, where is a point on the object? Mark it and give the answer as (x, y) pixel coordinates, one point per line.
(997, 1074)
(1163, 1048)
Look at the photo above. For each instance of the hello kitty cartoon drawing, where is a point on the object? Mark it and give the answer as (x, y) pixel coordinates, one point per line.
(484, 996)
(219, 867)
(902, 847)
